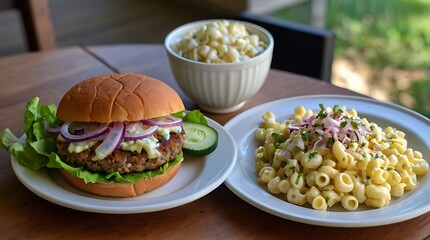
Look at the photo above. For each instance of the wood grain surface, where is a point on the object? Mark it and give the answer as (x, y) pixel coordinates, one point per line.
(218, 215)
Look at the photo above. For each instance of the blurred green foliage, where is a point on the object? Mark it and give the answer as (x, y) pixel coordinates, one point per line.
(381, 33)
(298, 13)
(420, 90)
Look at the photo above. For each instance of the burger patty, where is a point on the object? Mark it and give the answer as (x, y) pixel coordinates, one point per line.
(123, 161)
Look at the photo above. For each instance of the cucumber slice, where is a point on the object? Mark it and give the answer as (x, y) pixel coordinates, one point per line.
(200, 139)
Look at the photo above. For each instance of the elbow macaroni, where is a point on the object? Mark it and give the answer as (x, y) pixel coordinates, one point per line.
(220, 42)
(334, 156)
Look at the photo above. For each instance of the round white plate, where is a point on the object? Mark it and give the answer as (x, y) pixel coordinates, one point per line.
(197, 177)
(242, 181)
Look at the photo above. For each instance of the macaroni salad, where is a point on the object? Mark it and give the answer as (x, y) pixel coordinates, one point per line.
(334, 156)
(220, 42)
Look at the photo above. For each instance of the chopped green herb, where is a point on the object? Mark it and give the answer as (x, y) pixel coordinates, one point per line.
(355, 125)
(322, 113)
(305, 135)
(312, 154)
(335, 108)
(336, 111)
(275, 134)
(343, 124)
(293, 169)
(277, 145)
(297, 179)
(278, 137)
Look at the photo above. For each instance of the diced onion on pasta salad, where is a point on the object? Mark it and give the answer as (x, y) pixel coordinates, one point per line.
(221, 41)
(333, 156)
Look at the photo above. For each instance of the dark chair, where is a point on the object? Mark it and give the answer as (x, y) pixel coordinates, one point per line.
(36, 20)
(298, 48)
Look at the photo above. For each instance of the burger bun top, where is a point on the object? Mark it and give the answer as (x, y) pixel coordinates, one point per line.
(118, 98)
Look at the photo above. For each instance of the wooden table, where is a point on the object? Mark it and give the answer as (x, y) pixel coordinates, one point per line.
(218, 215)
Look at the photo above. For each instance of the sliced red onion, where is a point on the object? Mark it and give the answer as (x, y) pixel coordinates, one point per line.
(320, 131)
(347, 128)
(339, 117)
(292, 128)
(99, 129)
(99, 138)
(311, 119)
(286, 154)
(317, 143)
(330, 122)
(133, 126)
(361, 138)
(140, 134)
(112, 140)
(300, 143)
(345, 141)
(167, 121)
(355, 136)
(52, 130)
(335, 134)
(363, 129)
(290, 146)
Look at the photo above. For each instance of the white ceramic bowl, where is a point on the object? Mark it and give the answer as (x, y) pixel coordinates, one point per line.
(219, 87)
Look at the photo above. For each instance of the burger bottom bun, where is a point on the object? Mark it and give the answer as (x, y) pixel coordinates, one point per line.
(122, 189)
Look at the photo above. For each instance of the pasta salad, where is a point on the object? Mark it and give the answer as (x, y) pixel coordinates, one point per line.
(333, 156)
(221, 41)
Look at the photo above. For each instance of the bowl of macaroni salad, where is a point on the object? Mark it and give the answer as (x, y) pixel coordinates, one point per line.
(219, 63)
(331, 157)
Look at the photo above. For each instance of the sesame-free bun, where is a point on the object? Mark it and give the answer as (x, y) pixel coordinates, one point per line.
(122, 189)
(118, 98)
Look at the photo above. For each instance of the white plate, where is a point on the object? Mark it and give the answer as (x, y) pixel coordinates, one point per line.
(242, 180)
(197, 177)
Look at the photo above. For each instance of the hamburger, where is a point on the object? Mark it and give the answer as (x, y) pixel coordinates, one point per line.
(120, 127)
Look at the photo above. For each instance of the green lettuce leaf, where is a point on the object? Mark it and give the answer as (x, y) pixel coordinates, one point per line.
(92, 177)
(194, 116)
(34, 151)
(38, 149)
